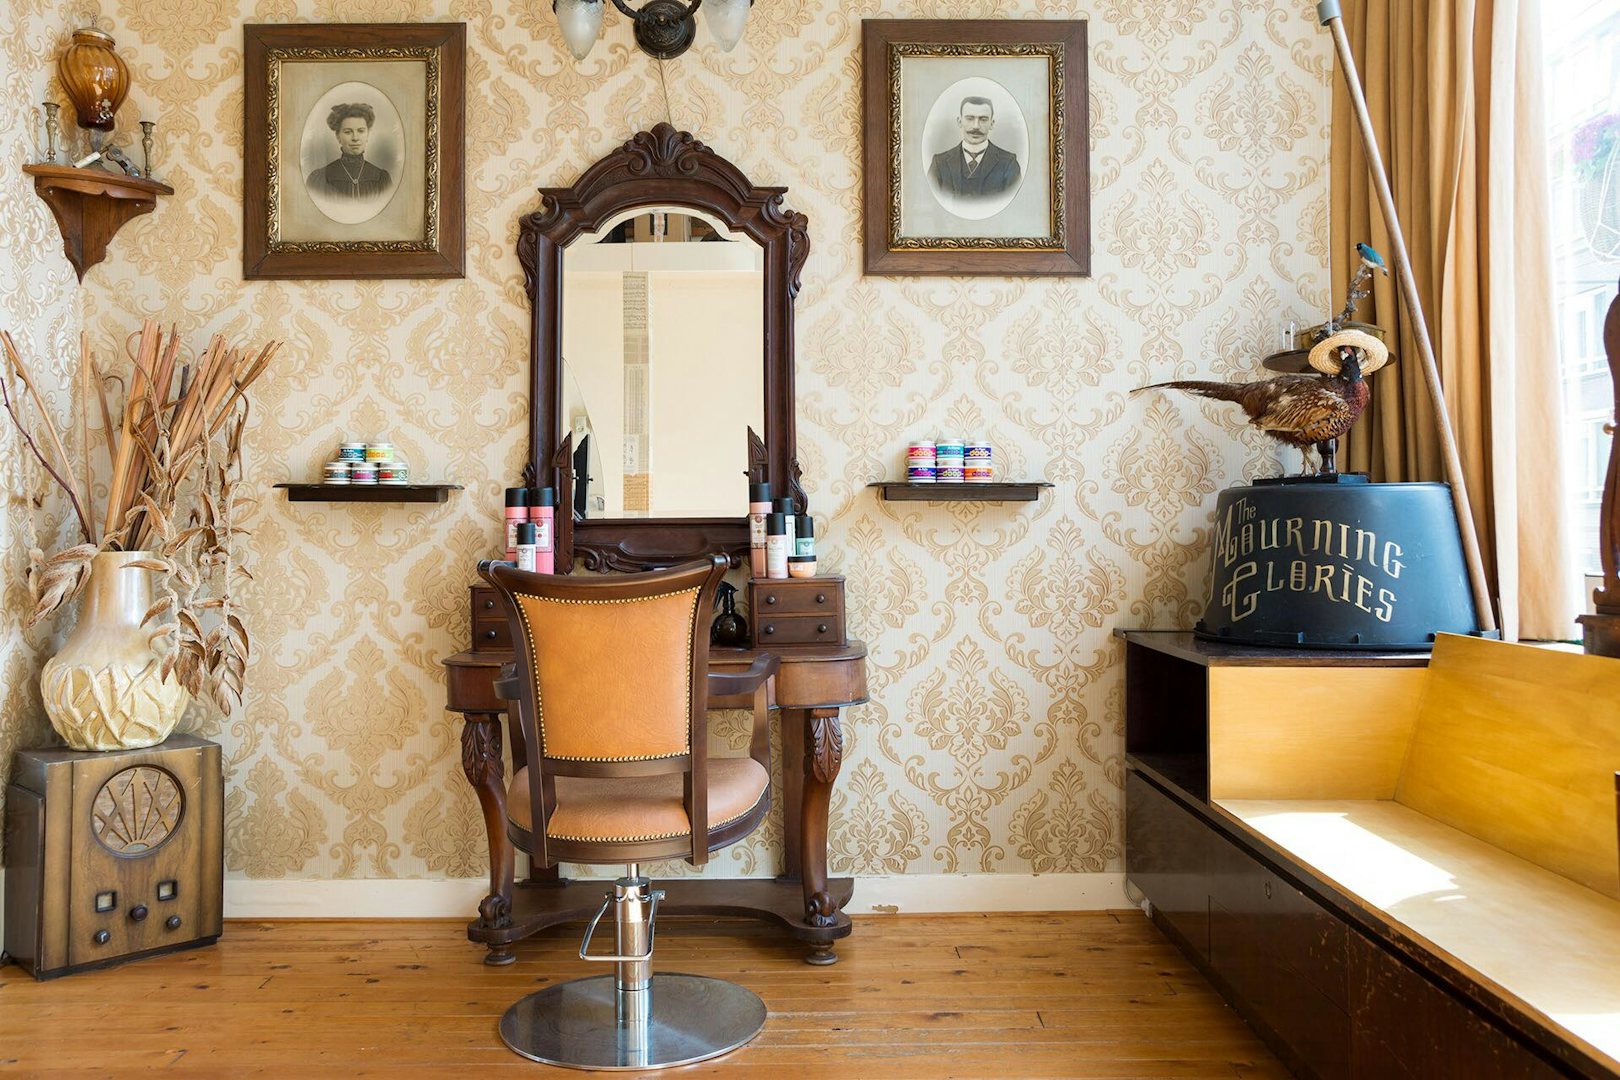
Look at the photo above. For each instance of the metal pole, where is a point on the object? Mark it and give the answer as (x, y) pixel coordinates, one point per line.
(1328, 12)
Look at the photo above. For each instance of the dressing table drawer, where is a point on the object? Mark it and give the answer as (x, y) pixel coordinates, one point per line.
(806, 596)
(802, 611)
(485, 604)
(798, 630)
(490, 633)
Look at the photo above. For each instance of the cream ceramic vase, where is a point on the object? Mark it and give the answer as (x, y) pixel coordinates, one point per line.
(104, 690)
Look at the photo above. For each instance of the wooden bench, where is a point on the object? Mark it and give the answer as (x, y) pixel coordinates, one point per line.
(1492, 847)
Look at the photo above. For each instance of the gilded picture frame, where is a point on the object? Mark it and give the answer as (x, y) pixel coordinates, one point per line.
(976, 147)
(353, 150)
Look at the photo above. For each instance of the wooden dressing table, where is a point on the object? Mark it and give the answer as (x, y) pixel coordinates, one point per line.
(814, 684)
(597, 230)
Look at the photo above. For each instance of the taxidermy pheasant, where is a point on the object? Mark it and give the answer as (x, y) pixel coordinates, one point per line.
(1310, 412)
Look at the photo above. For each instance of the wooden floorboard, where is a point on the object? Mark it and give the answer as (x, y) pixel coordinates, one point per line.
(1073, 995)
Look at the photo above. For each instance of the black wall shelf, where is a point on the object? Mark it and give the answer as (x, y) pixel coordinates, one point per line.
(386, 493)
(899, 491)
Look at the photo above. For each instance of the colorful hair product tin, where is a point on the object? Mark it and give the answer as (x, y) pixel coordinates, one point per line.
(978, 450)
(949, 459)
(920, 474)
(352, 451)
(393, 472)
(921, 451)
(362, 472)
(379, 452)
(336, 472)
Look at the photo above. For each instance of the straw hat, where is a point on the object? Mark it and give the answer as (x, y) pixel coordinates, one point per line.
(1325, 354)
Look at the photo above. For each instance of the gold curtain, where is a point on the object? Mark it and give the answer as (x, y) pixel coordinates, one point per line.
(1454, 91)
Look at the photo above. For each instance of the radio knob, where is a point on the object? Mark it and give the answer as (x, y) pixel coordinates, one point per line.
(172, 922)
(138, 913)
(101, 937)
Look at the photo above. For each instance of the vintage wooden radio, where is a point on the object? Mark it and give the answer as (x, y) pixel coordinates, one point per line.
(112, 856)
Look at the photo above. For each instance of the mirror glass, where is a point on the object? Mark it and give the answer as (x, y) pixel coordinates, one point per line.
(663, 365)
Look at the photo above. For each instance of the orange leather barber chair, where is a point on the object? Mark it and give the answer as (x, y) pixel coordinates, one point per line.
(611, 689)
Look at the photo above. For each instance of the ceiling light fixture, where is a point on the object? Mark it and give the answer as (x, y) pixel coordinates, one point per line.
(664, 28)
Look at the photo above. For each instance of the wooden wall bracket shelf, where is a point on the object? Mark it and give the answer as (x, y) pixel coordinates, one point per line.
(900, 491)
(388, 493)
(91, 205)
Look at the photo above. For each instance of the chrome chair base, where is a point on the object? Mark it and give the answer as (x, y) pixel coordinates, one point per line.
(588, 1024)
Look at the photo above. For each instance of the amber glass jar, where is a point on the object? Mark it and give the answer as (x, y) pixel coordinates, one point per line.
(95, 77)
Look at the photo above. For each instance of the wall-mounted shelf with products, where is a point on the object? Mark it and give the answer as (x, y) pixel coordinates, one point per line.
(900, 491)
(389, 493)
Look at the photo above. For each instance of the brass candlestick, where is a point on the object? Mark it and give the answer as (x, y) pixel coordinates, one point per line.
(147, 127)
(53, 130)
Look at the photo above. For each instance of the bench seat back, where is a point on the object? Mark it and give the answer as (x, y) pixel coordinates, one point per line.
(1519, 746)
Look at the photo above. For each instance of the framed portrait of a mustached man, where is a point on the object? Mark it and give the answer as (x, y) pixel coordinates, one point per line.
(353, 150)
(977, 154)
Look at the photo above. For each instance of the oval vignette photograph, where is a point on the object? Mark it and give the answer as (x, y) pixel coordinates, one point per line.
(352, 152)
(976, 143)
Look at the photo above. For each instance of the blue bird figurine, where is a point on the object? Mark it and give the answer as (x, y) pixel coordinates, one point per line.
(1371, 259)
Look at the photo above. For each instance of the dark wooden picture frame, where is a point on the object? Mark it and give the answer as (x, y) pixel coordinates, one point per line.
(1065, 246)
(661, 167)
(439, 250)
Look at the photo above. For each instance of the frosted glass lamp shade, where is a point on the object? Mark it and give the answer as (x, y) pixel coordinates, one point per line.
(581, 24)
(726, 19)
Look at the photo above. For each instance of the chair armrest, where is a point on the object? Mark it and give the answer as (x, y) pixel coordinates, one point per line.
(726, 683)
(507, 686)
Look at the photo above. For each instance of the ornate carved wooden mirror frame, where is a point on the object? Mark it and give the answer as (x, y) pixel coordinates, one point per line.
(661, 167)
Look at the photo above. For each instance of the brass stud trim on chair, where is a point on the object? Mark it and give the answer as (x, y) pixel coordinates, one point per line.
(661, 836)
(539, 710)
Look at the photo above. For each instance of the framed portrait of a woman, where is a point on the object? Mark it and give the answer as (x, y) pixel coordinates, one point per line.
(353, 150)
(977, 159)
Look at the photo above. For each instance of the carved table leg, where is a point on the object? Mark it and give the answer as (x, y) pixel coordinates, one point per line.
(823, 754)
(486, 772)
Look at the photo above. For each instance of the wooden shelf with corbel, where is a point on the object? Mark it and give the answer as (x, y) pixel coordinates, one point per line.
(91, 205)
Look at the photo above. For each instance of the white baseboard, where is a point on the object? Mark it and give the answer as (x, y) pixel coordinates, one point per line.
(952, 893)
(417, 898)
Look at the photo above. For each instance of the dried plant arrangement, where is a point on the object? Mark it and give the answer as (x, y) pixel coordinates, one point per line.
(174, 489)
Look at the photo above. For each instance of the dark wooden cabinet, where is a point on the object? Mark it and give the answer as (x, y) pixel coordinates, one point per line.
(1336, 992)
(1411, 1029)
(1333, 1002)
(1169, 856)
(1275, 954)
(1283, 957)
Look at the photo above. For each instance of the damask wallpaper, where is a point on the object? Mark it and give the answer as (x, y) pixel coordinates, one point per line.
(993, 740)
(39, 307)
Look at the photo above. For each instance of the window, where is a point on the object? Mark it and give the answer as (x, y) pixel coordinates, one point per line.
(1582, 43)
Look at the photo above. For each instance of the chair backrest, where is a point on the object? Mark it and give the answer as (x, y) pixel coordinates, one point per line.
(614, 669)
(1519, 746)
